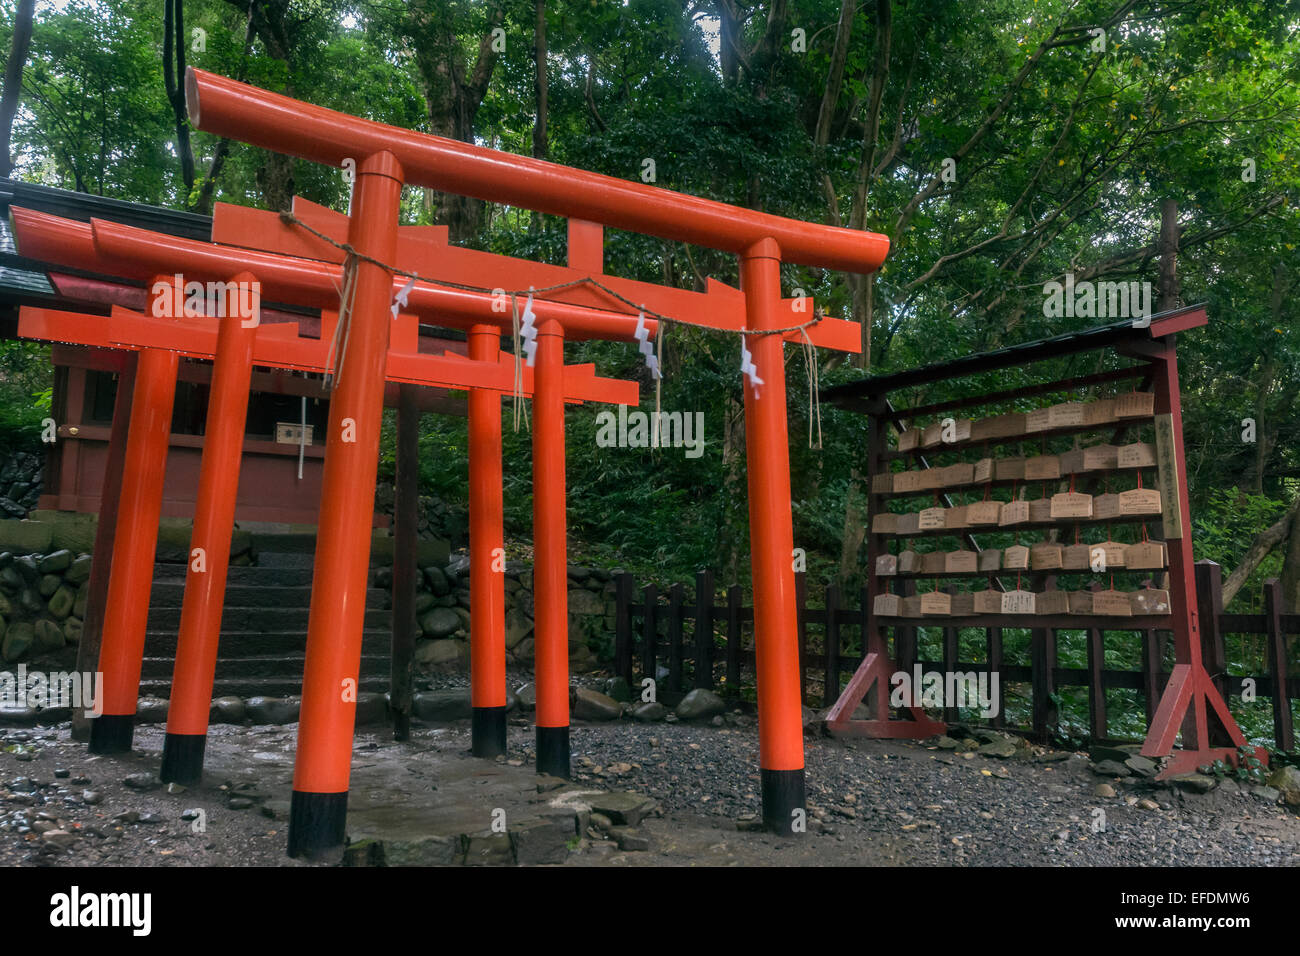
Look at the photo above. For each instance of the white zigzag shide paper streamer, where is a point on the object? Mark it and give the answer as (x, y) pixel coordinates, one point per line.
(528, 332)
(747, 366)
(643, 336)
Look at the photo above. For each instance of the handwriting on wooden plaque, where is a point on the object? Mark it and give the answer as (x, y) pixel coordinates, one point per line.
(909, 523)
(1135, 405)
(933, 562)
(1169, 476)
(963, 604)
(907, 481)
(1080, 602)
(988, 602)
(961, 562)
(1071, 461)
(1108, 554)
(1139, 501)
(1052, 602)
(882, 484)
(1076, 557)
(932, 519)
(983, 512)
(887, 564)
(1045, 557)
(1150, 601)
(983, 470)
(1071, 504)
(955, 517)
(909, 439)
(888, 605)
(1139, 454)
(1100, 458)
(1065, 415)
(1009, 469)
(962, 473)
(1018, 602)
(1042, 468)
(990, 559)
(1105, 506)
(886, 523)
(1016, 558)
(929, 479)
(1112, 603)
(909, 562)
(1039, 420)
(1014, 512)
(1040, 510)
(1149, 554)
(936, 602)
(1100, 412)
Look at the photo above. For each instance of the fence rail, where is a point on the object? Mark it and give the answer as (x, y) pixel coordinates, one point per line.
(651, 640)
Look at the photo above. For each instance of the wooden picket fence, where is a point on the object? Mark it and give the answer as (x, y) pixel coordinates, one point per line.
(652, 639)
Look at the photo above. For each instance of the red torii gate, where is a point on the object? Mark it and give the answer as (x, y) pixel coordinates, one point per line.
(386, 158)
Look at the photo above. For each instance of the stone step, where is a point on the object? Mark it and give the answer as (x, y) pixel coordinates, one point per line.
(239, 575)
(236, 643)
(172, 594)
(280, 666)
(260, 618)
(259, 686)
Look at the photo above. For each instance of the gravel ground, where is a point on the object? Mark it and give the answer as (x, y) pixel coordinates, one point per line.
(870, 802)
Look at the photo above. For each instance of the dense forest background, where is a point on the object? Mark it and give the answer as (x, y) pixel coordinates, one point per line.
(999, 144)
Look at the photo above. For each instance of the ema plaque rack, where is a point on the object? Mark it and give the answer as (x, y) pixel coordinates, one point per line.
(1054, 506)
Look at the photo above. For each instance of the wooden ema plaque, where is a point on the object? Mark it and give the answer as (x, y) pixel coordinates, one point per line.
(990, 559)
(1076, 557)
(959, 430)
(1139, 501)
(1009, 469)
(1071, 504)
(1108, 554)
(1100, 458)
(1135, 405)
(959, 474)
(1039, 420)
(988, 602)
(999, 426)
(1015, 558)
(909, 562)
(1139, 454)
(983, 471)
(886, 523)
(909, 439)
(929, 479)
(1046, 557)
(906, 482)
(911, 606)
(1071, 461)
(1018, 602)
(955, 517)
(963, 605)
(886, 564)
(1052, 602)
(931, 435)
(1147, 555)
(1100, 412)
(1105, 506)
(882, 484)
(1112, 603)
(887, 605)
(1080, 602)
(983, 512)
(1013, 512)
(961, 562)
(933, 562)
(1065, 415)
(1042, 468)
(935, 602)
(1150, 601)
(932, 519)
(1040, 510)
(909, 523)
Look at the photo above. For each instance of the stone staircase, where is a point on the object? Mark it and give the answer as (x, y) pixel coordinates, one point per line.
(263, 629)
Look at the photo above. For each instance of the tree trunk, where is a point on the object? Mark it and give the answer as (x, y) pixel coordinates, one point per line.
(539, 82)
(1259, 549)
(22, 39)
(174, 70)
(1168, 255)
(855, 529)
